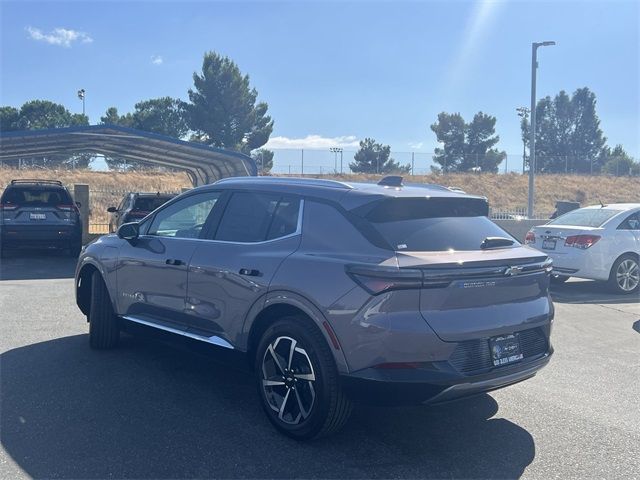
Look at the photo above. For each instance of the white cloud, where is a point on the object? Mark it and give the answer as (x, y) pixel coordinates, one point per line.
(62, 37)
(416, 145)
(313, 142)
(157, 60)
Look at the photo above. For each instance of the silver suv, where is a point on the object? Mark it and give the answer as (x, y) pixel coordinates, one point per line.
(335, 292)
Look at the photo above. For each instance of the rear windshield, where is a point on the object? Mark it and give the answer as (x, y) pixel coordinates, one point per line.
(36, 196)
(585, 217)
(434, 225)
(149, 204)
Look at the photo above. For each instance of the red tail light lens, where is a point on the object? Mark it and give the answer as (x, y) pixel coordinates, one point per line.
(376, 280)
(530, 237)
(8, 206)
(581, 241)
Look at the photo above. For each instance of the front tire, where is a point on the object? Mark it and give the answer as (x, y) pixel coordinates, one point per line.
(104, 332)
(298, 381)
(625, 275)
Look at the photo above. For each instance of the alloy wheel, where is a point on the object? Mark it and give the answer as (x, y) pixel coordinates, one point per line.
(288, 380)
(628, 275)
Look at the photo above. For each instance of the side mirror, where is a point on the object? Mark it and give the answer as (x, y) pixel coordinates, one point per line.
(129, 231)
(112, 209)
(78, 204)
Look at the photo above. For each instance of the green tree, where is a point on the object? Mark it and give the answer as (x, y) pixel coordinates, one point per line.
(466, 146)
(9, 119)
(264, 160)
(166, 116)
(568, 134)
(619, 163)
(373, 157)
(223, 111)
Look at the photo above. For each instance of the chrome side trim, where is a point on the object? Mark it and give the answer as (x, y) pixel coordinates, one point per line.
(214, 340)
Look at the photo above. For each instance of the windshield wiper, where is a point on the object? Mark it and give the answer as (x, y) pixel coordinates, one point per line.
(496, 242)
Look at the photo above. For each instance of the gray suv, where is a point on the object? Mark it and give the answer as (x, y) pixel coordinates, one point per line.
(335, 292)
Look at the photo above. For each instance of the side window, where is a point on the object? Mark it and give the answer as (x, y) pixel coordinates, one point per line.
(255, 217)
(123, 203)
(631, 223)
(185, 218)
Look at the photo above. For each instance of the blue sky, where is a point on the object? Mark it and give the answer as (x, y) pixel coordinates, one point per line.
(333, 72)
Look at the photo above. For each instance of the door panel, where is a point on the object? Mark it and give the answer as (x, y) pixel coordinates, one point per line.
(152, 270)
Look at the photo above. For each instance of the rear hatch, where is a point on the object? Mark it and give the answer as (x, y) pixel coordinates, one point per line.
(37, 206)
(477, 280)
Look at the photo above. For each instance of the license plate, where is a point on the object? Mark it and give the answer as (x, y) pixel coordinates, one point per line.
(37, 216)
(505, 349)
(549, 244)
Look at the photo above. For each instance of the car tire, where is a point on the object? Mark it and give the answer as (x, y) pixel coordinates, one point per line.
(559, 279)
(625, 275)
(303, 399)
(104, 331)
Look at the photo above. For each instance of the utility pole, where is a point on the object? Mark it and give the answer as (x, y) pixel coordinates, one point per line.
(532, 140)
(336, 151)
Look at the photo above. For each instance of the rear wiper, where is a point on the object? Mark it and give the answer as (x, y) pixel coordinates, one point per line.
(496, 242)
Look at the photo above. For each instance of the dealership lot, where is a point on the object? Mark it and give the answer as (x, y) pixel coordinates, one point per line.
(152, 410)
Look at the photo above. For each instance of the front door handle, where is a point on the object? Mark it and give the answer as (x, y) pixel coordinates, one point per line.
(173, 261)
(250, 272)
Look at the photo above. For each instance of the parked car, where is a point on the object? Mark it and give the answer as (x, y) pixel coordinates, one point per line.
(135, 206)
(39, 213)
(334, 292)
(600, 242)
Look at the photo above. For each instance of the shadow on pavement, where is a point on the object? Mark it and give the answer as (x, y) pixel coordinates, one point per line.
(37, 264)
(146, 410)
(589, 292)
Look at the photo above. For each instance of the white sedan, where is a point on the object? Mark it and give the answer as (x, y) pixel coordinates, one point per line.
(599, 243)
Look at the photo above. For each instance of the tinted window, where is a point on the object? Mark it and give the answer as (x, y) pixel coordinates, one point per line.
(36, 196)
(255, 217)
(585, 217)
(433, 224)
(149, 204)
(184, 218)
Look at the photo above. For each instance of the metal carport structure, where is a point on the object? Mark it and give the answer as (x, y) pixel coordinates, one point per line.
(203, 164)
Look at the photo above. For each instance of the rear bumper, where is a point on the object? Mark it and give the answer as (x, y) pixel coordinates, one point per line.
(433, 383)
(39, 235)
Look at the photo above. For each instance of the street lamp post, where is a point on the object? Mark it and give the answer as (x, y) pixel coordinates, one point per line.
(336, 151)
(523, 112)
(532, 140)
(81, 95)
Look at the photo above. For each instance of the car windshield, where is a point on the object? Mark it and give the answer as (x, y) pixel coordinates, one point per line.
(585, 217)
(434, 224)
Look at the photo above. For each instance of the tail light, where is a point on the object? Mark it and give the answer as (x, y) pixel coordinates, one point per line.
(68, 208)
(376, 279)
(8, 206)
(530, 237)
(581, 241)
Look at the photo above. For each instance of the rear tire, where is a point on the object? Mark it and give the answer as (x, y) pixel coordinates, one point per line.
(104, 332)
(558, 279)
(303, 399)
(625, 275)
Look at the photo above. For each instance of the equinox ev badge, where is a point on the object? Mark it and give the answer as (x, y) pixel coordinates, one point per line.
(512, 271)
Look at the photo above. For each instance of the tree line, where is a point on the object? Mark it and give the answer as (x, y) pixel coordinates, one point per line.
(223, 110)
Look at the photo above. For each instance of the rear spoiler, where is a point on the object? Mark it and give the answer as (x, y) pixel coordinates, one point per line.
(35, 180)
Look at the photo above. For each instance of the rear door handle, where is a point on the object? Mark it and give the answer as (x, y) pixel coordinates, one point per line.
(250, 272)
(173, 261)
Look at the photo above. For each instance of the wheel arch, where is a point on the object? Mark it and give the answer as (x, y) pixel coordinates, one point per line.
(281, 304)
(83, 285)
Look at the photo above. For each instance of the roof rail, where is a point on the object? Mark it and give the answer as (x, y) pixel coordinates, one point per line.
(391, 181)
(289, 180)
(35, 180)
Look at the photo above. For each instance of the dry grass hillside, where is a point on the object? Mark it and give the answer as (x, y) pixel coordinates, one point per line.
(505, 192)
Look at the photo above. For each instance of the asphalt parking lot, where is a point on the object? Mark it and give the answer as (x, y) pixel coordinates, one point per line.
(154, 410)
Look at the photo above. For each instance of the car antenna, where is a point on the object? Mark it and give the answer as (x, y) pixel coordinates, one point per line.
(602, 205)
